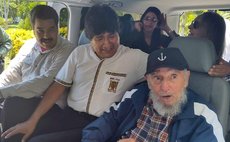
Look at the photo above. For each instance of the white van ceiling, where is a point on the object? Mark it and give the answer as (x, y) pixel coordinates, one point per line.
(166, 6)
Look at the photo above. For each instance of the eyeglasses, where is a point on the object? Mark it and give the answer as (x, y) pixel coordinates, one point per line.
(195, 24)
(149, 19)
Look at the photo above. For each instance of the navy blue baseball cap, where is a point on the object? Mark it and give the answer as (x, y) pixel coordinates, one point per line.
(166, 57)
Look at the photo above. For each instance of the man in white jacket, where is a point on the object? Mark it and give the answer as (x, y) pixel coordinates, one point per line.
(97, 75)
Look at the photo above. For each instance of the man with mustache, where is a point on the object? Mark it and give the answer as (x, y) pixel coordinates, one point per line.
(161, 110)
(96, 75)
(38, 61)
(32, 70)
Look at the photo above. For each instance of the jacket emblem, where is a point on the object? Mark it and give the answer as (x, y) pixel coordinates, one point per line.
(113, 84)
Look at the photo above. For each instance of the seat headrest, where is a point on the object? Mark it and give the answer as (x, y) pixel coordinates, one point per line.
(200, 53)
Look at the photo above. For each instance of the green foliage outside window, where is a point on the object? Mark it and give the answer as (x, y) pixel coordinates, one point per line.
(185, 20)
(25, 24)
(187, 17)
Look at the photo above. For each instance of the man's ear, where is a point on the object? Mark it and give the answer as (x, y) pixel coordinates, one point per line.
(146, 78)
(187, 76)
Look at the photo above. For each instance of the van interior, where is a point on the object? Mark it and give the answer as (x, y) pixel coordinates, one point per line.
(174, 9)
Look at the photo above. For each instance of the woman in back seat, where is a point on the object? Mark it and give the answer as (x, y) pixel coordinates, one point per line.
(212, 26)
(148, 36)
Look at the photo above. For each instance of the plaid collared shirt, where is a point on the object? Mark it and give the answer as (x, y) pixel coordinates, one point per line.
(151, 127)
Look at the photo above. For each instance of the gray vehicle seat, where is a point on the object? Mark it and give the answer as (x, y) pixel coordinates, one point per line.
(200, 54)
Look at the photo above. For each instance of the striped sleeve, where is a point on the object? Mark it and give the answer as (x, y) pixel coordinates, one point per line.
(211, 118)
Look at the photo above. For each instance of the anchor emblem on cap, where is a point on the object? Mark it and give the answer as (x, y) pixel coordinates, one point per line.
(162, 57)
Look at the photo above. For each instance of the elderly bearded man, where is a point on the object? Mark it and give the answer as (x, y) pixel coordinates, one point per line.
(161, 110)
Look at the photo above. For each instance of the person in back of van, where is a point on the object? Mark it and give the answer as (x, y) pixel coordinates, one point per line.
(161, 110)
(5, 46)
(32, 70)
(148, 36)
(126, 23)
(97, 75)
(222, 68)
(212, 26)
(82, 38)
(215, 29)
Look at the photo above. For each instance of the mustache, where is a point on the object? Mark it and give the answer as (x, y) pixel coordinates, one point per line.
(46, 39)
(164, 94)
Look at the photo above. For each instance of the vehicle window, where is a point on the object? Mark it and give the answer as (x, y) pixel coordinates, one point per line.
(187, 17)
(64, 22)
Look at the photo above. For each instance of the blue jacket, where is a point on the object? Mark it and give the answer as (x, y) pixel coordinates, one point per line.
(196, 123)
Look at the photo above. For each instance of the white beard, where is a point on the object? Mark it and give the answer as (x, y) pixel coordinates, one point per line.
(168, 110)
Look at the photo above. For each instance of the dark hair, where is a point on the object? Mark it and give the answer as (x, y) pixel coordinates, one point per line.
(127, 17)
(43, 12)
(154, 10)
(100, 18)
(82, 20)
(126, 27)
(157, 32)
(215, 26)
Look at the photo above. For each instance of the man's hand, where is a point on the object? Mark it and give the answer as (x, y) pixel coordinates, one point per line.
(25, 128)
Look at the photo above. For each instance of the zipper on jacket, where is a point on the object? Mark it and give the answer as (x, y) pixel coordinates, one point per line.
(93, 86)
